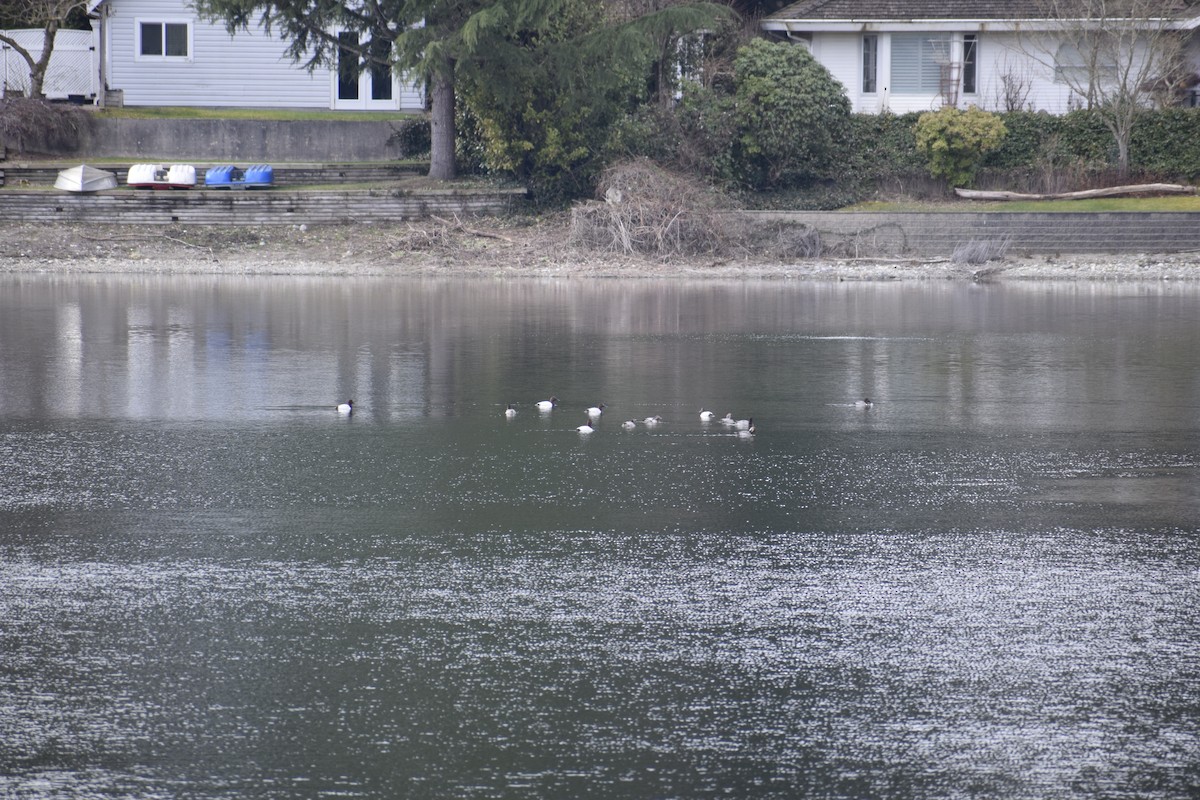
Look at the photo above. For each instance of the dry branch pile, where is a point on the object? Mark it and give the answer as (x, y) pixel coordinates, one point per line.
(32, 126)
(650, 211)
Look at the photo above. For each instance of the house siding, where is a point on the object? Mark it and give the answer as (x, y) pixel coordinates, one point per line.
(839, 54)
(1006, 57)
(249, 69)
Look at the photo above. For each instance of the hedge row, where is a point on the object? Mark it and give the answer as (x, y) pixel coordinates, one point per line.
(1165, 144)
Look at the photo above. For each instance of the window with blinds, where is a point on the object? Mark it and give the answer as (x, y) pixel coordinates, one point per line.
(917, 60)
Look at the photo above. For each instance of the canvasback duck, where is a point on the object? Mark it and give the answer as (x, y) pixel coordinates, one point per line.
(346, 407)
(652, 421)
(586, 427)
(596, 411)
(706, 416)
(864, 403)
(510, 412)
(546, 405)
(629, 424)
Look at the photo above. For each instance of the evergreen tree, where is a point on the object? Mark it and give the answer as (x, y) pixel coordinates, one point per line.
(432, 40)
(549, 120)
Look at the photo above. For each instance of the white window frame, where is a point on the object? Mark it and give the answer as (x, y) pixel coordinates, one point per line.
(364, 101)
(873, 52)
(163, 22)
(973, 38)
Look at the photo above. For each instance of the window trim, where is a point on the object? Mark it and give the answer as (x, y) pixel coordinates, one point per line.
(162, 22)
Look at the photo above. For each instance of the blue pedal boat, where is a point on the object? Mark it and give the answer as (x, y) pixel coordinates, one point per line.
(255, 176)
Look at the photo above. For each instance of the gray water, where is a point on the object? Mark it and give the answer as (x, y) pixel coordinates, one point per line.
(214, 586)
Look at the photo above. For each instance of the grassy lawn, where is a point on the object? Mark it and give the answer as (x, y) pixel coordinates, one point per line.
(264, 114)
(1165, 203)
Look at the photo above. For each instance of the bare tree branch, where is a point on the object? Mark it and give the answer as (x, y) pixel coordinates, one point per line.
(50, 16)
(1111, 55)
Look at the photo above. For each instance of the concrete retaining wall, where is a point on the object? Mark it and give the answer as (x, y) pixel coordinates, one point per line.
(239, 141)
(938, 234)
(251, 207)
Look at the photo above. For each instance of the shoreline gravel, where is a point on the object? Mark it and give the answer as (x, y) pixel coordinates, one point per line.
(494, 249)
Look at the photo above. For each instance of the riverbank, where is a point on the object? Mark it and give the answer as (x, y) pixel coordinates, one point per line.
(506, 248)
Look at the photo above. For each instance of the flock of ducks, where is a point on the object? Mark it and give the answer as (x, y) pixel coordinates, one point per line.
(744, 427)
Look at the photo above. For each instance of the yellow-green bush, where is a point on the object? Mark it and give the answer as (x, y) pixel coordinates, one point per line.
(954, 142)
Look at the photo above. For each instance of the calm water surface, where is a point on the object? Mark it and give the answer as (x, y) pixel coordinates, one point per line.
(213, 586)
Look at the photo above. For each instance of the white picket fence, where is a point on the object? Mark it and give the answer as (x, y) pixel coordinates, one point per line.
(73, 70)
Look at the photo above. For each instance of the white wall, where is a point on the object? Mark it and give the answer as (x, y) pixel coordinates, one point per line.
(249, 69)
(1026, 64)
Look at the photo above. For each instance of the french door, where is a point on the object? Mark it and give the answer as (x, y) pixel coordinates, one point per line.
(369, 86)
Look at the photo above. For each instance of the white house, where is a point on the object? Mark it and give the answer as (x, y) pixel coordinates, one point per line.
(921, 55)
(160, 53)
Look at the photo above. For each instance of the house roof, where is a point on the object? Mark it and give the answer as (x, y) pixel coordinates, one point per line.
(912, 10)
(908, 9)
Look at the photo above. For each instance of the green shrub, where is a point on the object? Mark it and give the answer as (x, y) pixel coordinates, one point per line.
(954, 142)
(1167, 143)
(882, 145)
(1031, 137)
(1086, 138)
(695, 136)
(412, 136)
(793, 117)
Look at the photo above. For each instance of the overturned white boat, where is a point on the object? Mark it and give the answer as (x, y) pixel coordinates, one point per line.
(85, 179)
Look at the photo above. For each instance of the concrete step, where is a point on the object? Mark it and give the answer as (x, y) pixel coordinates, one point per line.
(938, 234)
(269, 207)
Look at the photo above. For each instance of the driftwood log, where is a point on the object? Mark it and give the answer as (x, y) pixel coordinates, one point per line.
(1141, 188)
